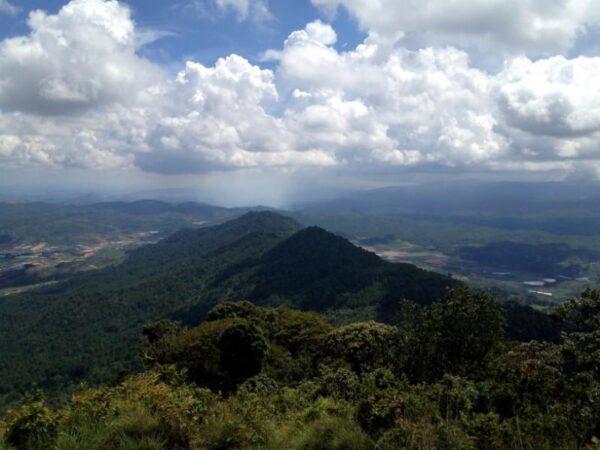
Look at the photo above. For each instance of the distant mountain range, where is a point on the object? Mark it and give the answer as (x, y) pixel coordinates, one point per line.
(562, 208)
(526, 230)
(73, 223)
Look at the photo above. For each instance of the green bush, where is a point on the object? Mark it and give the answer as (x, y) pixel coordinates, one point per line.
(340, 384)
(331, 434)
(31, 426)
(365, 346)
(260, 384)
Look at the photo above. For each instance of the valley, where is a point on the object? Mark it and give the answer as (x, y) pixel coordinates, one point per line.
(508, 237)
(539, 287)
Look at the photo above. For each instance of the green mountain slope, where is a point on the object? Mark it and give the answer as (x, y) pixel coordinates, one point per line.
(87, 328)
(318, 270)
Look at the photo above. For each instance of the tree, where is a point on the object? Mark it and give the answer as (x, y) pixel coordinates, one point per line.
(243, 348)
(157, 339)
(469, 324)
(365, 345)
(453, 336)
(580, 322)
(220, 354)
(231, 310)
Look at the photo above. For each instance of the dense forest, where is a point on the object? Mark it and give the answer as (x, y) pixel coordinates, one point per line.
(86, 328)
(436, 377)
(332, 348)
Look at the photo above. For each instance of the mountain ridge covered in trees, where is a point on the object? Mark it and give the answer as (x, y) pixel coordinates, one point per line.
(86, 329)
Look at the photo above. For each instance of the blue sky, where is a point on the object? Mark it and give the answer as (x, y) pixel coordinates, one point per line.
(304, 95)
(200, 31)
(203, 32)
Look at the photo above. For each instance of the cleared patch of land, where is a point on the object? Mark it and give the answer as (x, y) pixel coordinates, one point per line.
(26, 266)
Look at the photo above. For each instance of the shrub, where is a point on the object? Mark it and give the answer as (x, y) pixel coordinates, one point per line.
(486, 430)
(377, 414)
(396, 438)
(365, 346)
(31, 426)
(331, 434)
(260, 384)
(243, 347)
(340, 384)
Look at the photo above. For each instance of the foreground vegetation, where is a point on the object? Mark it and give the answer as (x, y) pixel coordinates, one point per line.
(249, 377)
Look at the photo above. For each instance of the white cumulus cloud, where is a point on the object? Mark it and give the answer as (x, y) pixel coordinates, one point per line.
(527, 26)
(554, 97)
(74, 91)
(550, 108)
(376, 104)
(76, 60)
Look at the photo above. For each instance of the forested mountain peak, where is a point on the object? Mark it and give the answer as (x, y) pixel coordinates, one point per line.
(317, 270)
(319, 245)
(264, 222)
(198, 242)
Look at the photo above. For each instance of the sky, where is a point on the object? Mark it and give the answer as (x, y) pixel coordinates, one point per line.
(264, 101)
